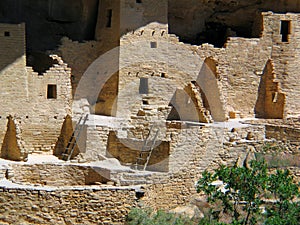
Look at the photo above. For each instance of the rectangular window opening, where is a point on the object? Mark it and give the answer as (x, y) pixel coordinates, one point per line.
(285, 30)
(7, 34)
(109, 18)
(138, 1)
(144, 88)
(51, 91)
(153, 44)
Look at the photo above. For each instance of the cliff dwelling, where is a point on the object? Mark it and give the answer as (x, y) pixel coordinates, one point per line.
(108, 104)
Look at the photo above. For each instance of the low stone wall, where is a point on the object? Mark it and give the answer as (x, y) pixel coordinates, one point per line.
(283, 133)
(77, 206)
(128, 151)
(172, 191)
(57, 175)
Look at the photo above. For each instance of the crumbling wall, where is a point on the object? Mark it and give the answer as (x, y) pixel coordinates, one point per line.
(63, 140)
(194, 150)
(271, 101)
(208, 81)
(26, 95)
(189, 106)
(50, 101)
(12, 146)
(282, 30)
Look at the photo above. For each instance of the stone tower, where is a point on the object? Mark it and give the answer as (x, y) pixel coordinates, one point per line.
(282, 30)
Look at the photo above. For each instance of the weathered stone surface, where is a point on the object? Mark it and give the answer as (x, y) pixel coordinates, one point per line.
(77, 206)
(12, 148)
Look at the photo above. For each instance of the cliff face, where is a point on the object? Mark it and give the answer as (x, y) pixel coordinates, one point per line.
(195, 21)
(198, 21)
(49, 20)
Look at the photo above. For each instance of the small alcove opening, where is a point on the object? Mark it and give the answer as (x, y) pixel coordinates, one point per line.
(144, 87)
(109, 13)
(145, 102)
(153, 44)
(51, 91)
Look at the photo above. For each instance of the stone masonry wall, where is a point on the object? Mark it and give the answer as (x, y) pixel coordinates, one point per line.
(271, 101)
(208, 149)
(24, 92)
(55, 175)
(285, 55)
(42, 121)
(62, 206)
(283, 132)
(128, 151)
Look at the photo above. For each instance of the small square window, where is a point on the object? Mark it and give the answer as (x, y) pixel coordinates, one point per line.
(153, 44)
(51, 91)
(6, 34)
(138, 1)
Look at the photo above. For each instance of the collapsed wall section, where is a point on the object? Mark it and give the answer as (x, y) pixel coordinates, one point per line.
(38, 102)
(12, 146)
(271, 101)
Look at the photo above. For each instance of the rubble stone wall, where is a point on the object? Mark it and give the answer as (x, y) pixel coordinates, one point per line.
(63, 206)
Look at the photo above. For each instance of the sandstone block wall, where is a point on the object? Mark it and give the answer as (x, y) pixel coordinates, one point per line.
(285, 55)
(271, 101)
(283, 132)
(12, 37)
(128, 151)
(63, 206)
(55, 175)
(24, 93)
(148, 51)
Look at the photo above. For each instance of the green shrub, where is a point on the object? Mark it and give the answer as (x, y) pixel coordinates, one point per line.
(249, 189)
(147, 217)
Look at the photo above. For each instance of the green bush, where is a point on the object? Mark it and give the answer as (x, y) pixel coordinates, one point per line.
(147, 217)
(251, 195)
(247, 190)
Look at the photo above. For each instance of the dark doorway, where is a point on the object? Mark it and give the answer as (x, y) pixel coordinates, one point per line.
(285, 30)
